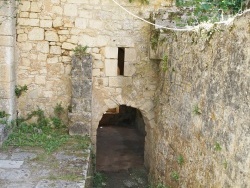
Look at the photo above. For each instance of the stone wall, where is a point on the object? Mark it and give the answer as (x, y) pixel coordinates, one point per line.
(7, 58)
(47, 31)
(196, 110)
(202, 107)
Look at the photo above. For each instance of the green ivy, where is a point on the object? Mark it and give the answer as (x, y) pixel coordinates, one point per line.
(20, 89)
(212, 10)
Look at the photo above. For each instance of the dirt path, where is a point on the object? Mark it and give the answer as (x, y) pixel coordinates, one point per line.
(120, 152)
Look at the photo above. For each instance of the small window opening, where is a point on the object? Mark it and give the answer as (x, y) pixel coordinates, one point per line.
(121, 57)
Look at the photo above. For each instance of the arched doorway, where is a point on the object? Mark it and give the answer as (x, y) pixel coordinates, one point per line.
(120, 145)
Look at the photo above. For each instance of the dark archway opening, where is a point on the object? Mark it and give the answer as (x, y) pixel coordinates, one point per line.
(120, 147)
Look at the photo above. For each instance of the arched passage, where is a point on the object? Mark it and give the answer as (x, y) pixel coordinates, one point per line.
(120, 142)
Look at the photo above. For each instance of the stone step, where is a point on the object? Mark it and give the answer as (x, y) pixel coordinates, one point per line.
(10, 164)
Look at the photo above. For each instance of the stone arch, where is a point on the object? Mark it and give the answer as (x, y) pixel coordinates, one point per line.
(148, 117)
(145, 106)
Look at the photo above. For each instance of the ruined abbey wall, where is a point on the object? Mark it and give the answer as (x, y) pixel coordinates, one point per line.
(195, 102)
(202, 107)
(47, 33)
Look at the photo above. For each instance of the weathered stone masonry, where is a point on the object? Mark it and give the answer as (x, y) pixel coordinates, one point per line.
(7, 58)
(206, 71)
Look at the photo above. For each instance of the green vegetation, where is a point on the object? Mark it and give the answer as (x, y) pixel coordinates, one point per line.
(165, 63)
(66, 177)
(217, 147)
(175, 176)
(154, 39)
(197, 110)
(99, 180)
(80, 50)
(209, 10)
(19, 90)
(47, 133)
(142, 1)
(37, 136)
(180, 160)
(3, 114)
(58, 109)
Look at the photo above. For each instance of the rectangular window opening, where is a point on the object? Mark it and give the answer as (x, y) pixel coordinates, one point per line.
(121, 57)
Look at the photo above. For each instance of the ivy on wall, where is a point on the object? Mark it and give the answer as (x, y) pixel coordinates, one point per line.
(197, 11)
(209, 10)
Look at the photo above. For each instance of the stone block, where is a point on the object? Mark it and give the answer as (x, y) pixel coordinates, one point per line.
(43, 47)
(70, 10)
(51, 36)
(33, 15)
(55, 50)
(87, 40)
(129, 69)
(63, 32)
(119, 81)
(22, 37)
(24, 6)
(42, 57)
(57, 22)
(130, 54)
(40, 80)
(102, 40)
(75, 31)
(36, 34)
(110, 103)
(25, 47)
(97, 56)
(102, 82)
(68, 46)
(81, 23)
(124, 42)
(111, 67)
(57, 10)
(28, 22)
(52, 60)
(62, 38)
(86, 14)
(73, 39)
(24, 15)
(46, 23)
(111, 52)
(96, 24)
(96, 72)
(34, 7)
(98, 64)
(66, 58)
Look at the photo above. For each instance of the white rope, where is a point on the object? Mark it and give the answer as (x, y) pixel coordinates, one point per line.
(160, 26)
